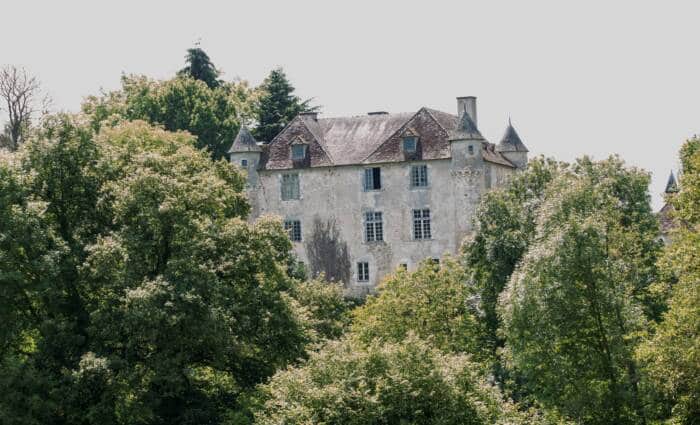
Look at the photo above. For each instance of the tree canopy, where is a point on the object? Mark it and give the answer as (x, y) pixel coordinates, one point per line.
(199, 66)
(277, 105)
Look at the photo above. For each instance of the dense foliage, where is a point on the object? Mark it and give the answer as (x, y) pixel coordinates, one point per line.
(200, 67)
(135, 290)
(277, 105)
(214, 115)
(349, 382)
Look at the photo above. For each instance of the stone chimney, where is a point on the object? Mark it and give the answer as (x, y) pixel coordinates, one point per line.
(467, 104)
(313, 115)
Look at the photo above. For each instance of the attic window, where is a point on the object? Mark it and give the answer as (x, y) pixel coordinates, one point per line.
(409, 144)
(298, 152)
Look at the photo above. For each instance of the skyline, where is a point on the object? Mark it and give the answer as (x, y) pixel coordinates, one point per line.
(592, 78)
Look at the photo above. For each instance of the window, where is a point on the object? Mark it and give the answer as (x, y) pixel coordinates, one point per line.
(298, 152)
(290, 186)
(374, 229)
(471, 149)
(363, 271)
(421, 224)
(419, 176)
(403, 266)
(294, 229)
(373, 179)
(409, 144)
(244, 162)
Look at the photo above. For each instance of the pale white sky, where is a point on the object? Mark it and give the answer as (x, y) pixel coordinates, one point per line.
(588, 77)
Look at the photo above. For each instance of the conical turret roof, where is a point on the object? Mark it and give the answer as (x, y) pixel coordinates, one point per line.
(465, 129)
(244, 142)
(511, 141)
(671, 185)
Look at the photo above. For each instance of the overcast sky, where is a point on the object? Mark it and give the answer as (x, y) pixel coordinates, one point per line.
(594, 77)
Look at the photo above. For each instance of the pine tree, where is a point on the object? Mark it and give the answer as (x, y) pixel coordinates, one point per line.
(200, 67)
(278, 105)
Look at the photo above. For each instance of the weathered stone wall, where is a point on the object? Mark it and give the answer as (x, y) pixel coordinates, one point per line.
(336, 194)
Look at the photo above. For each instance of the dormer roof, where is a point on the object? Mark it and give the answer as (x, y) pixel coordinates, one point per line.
(244, 142)
(511, 141)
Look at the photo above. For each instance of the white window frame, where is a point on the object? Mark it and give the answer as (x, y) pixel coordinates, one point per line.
(369, 182)
(419, 176)
(363, 271)
(293, 192)
(422, 224)
(374, 226)
(293, 227)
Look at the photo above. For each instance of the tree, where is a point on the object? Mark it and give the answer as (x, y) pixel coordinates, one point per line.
(328, 253)
(573, 309)
(277, 105)
(671, 352)
(200, 67)
(406, 382)
(504, 228)
(135, 289)
(22, 97)
(214, 115)
(432, 302)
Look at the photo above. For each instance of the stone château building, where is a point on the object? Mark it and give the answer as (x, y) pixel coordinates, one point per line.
(364, 195)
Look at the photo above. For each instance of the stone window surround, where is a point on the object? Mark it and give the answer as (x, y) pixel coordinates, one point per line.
(425, 221)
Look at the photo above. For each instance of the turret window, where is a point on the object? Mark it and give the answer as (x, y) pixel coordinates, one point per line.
(244, 163)
(471, 149)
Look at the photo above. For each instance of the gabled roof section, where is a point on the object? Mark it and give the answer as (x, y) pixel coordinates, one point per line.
(244, 142)
(671, 185)
(511, 141)
(465, 129)
(302, 129)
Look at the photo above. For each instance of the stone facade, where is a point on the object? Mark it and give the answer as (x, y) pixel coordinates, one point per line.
(358, 225)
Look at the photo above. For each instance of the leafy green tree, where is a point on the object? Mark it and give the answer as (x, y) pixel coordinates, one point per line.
(200, 67)
(504, 228)
(214, 115)
(572, 310)
(136, 290)
(671, 353)
(325, 308)
(408, 382)
(433, 302)
(277, 105)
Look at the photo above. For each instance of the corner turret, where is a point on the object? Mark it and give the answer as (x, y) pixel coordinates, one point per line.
(245, 153)
(512, 147)
(465, 140)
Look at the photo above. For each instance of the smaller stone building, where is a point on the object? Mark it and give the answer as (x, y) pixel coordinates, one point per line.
(366, 194)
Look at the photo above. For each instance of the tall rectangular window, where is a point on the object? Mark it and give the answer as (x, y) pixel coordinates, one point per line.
(421, 224)
(373, 179)
(419, 175)
(374, 228)
(290, 186)
(294, 229)
(363, 271)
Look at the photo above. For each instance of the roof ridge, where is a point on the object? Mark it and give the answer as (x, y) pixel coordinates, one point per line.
(398, 130)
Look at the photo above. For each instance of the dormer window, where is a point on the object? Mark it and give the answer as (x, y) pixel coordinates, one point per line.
(298, 152)
(409, 144)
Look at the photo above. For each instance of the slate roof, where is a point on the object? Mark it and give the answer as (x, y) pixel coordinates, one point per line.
(671, 185)
(374, 138)
(511, 141)
(244, 142)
